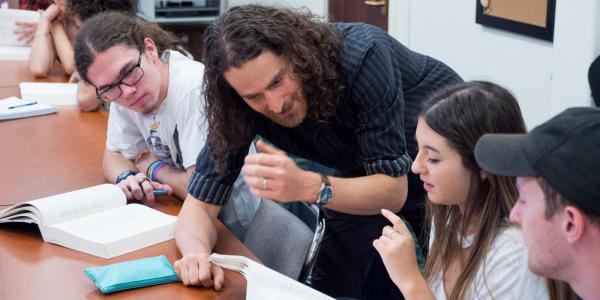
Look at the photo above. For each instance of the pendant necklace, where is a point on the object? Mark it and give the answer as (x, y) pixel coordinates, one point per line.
(155, 124)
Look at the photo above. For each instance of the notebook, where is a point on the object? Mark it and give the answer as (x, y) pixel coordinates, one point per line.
(8, 17)
(49, 92)
(15, 108)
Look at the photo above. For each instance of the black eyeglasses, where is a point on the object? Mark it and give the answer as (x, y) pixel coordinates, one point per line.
(130, 78)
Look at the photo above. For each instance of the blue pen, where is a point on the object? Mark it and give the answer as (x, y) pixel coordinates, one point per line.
(22, 105)
(160, 192)
(156, 193)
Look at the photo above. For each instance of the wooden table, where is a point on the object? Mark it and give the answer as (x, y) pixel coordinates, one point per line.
(52, 154)
(15, 72)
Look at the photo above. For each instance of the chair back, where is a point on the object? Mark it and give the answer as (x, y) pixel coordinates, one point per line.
(279, 239)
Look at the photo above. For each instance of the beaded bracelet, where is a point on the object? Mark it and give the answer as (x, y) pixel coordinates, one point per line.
(153, 169)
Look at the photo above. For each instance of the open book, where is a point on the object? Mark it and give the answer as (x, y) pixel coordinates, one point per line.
(264, 283)
(94, 220)
(14, 108)
(8, 17)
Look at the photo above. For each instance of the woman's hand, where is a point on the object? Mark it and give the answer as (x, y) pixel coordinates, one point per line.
(397, 249)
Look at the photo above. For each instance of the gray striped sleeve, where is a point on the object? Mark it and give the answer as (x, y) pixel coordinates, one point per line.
(203, 188)
(395, 168)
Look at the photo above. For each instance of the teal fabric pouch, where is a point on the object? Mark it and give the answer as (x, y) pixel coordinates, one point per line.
(132, 274)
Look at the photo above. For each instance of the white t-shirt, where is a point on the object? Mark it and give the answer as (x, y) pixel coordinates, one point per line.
(504, 274)
(182, 129)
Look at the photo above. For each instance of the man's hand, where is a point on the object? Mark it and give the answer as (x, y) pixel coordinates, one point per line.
(273, 175)
(139, 187)
(196, 269)
(25, 31)
(397, 249)
(74, 77)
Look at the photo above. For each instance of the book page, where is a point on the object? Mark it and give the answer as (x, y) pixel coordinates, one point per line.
(20, 211)
(22, 217)
(116, 224)
(49, 92)
(265, 283)
(8, 17)
(79, 203)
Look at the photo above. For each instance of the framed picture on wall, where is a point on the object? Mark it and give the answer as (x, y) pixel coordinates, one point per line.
(533, 18)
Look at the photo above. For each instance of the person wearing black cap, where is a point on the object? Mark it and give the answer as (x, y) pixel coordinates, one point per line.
(594, 80)
(558, 169)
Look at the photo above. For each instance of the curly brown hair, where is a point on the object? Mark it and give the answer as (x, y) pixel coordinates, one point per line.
(85, 9)
(108, 29)
(312, 48)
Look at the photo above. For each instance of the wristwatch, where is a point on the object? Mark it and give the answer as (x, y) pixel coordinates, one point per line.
(124, 175)
(325, 193)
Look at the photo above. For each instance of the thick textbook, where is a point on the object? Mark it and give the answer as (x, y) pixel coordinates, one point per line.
(264, 283)
(94, 220)
(15, 108)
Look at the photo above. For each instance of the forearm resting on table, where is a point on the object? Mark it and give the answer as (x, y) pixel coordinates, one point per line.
(195, 230)
(368, 195)
(114, 163)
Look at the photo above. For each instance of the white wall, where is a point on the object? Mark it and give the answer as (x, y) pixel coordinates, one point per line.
(545, 77)
(318, 7)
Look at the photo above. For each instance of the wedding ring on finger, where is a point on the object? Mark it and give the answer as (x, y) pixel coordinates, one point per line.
(265, 183)
(388, 231)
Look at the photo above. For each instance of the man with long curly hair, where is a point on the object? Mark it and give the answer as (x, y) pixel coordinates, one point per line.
(343, 95)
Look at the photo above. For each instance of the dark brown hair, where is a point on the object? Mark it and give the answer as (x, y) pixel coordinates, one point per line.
(312, 48)
(85, 9)
(555, 201)
(108, 29)
(461, 114)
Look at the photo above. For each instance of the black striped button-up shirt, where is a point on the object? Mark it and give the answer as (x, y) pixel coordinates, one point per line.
(373, 129)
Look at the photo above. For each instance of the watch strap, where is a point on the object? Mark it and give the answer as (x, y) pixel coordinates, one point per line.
(124, 175)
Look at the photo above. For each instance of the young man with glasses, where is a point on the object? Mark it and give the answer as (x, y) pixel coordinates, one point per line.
(156, 126)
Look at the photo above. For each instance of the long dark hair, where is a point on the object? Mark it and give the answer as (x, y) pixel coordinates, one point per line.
(312, 48)
(461, 114)
(108, 29)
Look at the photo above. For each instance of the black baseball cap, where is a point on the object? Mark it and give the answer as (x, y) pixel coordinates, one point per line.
(564, 151)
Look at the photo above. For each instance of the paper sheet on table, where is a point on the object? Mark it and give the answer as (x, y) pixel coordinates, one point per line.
(49, 92)
(19, 110)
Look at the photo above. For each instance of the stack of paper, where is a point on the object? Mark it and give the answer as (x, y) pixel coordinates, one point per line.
(49, 92)
(14, 108)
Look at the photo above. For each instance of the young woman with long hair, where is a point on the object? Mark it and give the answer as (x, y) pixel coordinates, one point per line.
(474, 252)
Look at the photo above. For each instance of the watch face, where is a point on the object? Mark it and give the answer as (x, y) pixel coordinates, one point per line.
(326, 195)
